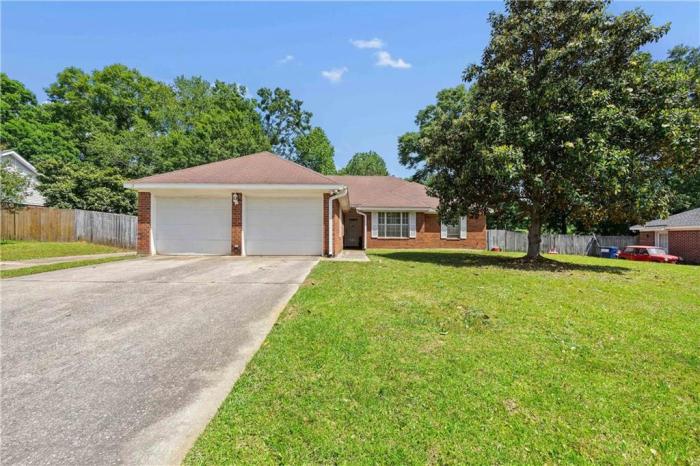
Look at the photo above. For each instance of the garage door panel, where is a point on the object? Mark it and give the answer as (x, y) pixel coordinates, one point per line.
(193, 226)
(282, 248)
(284, 226)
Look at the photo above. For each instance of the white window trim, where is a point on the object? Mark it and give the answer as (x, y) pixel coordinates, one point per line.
(462, 230)
(409, 215)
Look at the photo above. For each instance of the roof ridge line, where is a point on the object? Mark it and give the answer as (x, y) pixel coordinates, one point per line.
(299, 165)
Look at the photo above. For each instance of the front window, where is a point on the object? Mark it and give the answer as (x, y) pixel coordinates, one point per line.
(392, 224)
(452, 230)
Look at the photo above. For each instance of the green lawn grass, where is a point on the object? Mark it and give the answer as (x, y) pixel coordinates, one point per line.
(11, 250)
(59, 266)
(451, 357)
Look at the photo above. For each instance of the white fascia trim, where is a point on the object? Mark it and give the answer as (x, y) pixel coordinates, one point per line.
(234, 187)
(21, 160)
(685, 227)
(681, 228)
(396, 209)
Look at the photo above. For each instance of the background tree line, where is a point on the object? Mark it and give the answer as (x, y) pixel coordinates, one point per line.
(100, 129)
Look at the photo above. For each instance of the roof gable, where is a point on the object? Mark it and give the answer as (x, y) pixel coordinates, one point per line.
(21, 160)
(259, 168)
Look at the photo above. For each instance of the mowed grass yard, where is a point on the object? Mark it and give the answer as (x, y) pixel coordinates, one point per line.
(14, 250)
(451, 357)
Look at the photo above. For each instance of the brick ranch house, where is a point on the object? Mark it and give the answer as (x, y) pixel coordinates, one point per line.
(679, 234)
(262, 204)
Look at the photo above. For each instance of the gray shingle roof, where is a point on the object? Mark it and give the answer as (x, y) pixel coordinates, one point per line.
(683, 219)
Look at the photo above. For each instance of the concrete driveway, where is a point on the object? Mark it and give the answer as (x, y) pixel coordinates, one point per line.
(126, 362)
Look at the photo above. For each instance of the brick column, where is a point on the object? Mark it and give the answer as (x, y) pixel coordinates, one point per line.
(236, 224)
(326, 196)
(143, 232)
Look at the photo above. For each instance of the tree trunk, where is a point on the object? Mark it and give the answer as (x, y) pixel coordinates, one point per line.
(534, 237)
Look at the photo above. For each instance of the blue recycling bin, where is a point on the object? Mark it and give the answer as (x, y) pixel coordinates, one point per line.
(609, 252)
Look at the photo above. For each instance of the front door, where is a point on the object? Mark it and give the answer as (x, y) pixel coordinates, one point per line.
(353, 231)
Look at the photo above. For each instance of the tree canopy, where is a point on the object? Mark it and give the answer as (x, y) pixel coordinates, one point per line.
(566, 115)
(283, 120)
(365, 164)
(315, 151)
(451, 103)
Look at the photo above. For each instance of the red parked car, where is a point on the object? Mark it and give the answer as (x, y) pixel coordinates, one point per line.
(647, 253)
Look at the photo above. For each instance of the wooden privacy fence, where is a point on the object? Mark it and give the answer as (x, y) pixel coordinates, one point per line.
(564, 244)
(49, 224)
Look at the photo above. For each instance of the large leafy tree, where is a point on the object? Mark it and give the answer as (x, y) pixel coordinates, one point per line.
(365, 164)
(686, 184)
(283, 119)
(315, 151)
(567, 114)
(414, 147)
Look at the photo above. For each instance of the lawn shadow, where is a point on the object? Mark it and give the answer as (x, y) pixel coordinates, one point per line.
(472, 259)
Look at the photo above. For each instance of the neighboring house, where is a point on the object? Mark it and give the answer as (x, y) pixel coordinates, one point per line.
(16, 162)
(262, 204)
(679, 234)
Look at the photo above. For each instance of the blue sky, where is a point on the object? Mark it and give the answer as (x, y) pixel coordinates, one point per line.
(289, 45)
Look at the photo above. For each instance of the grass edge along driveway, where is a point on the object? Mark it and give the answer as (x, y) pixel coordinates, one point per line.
(13, 273)
(453, 357)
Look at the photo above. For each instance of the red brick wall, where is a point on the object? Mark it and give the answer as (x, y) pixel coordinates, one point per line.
(647, 238)
(428, 235)
(143, 232)
(236, 225)
(685, 244)
(337, 228)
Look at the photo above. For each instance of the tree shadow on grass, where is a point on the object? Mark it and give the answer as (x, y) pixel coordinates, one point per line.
(470, 259)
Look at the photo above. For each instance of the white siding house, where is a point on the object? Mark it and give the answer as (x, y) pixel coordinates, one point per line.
(16, 162)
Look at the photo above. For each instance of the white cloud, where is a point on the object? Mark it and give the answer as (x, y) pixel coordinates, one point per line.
(335, 75)
(286, 59)
(384, 59)
(368, 44)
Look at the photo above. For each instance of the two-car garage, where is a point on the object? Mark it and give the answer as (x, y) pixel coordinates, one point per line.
(258, 204)
(271, 225)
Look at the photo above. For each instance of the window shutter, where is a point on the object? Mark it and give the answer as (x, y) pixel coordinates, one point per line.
(443, 231)
(463, 227)
(375, 225)
(411, 224)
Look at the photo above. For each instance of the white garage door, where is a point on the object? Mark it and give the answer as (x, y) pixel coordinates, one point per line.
(283, 226)
(193, 225)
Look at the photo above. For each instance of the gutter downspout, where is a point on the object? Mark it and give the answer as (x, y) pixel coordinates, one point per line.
(364, 229)
(335, 196)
